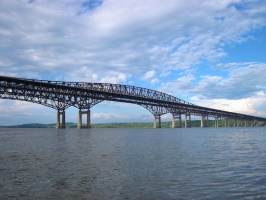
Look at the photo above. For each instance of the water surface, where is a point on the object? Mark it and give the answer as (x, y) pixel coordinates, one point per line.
(206, 163)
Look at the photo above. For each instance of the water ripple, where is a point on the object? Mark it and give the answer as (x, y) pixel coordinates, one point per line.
(133, 163)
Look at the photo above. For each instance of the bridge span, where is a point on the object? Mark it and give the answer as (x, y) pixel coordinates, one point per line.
(61, 95)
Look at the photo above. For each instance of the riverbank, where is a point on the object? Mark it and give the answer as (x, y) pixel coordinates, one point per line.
(195, 123)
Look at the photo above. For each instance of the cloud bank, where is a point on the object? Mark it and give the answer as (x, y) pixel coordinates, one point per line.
(178, 47)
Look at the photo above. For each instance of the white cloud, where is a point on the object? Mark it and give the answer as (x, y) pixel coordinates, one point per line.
(20, 112)
(149, 75)
(181, 85)
(155, 81)
(114, 77)
(254, 105)
(113, 116)
(128, 37)
(242, 80)
(242, 90)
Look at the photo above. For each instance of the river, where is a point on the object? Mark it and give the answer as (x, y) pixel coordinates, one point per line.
(195, 163)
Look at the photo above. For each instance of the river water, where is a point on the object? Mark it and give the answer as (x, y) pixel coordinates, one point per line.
(196, 163)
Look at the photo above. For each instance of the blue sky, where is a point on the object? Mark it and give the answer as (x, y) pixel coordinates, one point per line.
(211, 53)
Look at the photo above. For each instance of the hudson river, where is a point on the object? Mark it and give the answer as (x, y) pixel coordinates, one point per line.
(196, 163)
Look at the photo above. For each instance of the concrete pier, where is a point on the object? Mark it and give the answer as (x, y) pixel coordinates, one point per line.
(173, 121)
(179, 117)
(203, 121)
(159, 121)
(217, 124)
(88, 114)
(187, 121)
(226, 122)
(60, 119)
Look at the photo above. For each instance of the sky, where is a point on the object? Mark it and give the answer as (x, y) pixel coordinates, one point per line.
(210, 53)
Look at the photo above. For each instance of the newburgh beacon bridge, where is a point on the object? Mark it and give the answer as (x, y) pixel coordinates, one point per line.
(61, 95)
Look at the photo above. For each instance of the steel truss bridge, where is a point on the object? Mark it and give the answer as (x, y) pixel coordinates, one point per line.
(61, 95)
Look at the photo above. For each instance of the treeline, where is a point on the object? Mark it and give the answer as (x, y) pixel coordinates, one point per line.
(195, 123)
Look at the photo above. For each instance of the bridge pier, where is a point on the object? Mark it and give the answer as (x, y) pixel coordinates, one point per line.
(159, 121)
(238, 123)
(179, 117)
(250, 123)
(188, 121)
(227, 121)
(231, 122)
(80, 113)
(173, 121)
(60, 119)
(203, 121)
(217, 122)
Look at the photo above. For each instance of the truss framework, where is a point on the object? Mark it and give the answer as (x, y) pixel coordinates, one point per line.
(83, 95)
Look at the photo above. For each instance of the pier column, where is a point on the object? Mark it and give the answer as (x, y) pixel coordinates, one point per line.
(173, 121)
(238, 123)
(80, 113)
(155, 121)
(203, 121)
(226, 123)
(229, 122)
(188, 121)
(254, 123)
(180, 121)
(179, 117)
(217, 122)
(60, 119)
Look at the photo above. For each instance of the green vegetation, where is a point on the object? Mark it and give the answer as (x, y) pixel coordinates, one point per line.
(140, 125)
(33, 125)
(195, 123)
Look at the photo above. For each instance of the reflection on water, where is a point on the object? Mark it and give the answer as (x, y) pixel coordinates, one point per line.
(195, 163)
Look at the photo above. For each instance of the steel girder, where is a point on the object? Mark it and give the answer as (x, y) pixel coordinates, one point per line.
(33, 98)
(44, 102)
(155, 110)
(85, 103)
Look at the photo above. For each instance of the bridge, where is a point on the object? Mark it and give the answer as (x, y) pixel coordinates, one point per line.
(61, 95)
